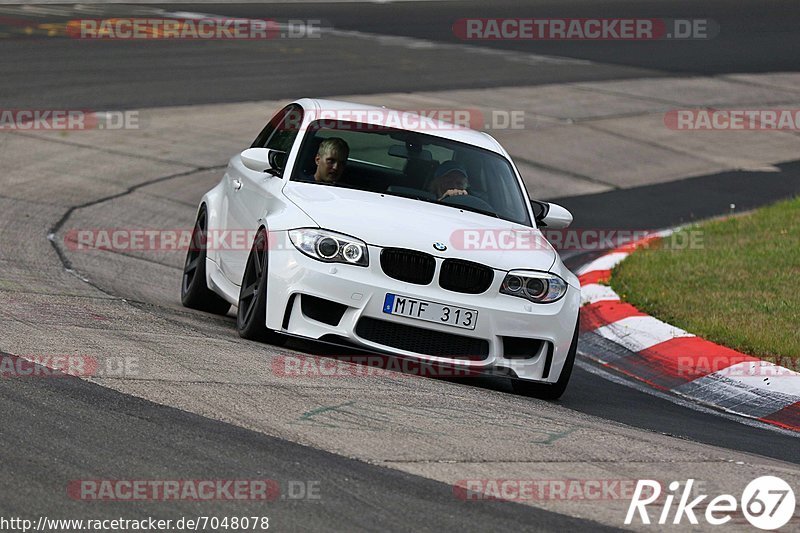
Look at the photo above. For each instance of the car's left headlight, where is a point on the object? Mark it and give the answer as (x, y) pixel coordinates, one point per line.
(538, 287)
(330, 247)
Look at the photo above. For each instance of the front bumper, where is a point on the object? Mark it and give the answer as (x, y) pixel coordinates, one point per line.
(361, 290)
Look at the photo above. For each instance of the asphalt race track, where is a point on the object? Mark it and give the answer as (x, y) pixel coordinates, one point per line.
(204, 404)
(134, 74)
(132, 435)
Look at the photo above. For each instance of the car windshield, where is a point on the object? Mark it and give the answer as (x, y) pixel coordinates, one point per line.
(413, 165)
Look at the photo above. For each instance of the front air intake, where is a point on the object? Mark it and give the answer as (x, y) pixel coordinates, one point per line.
(408, 265)
(465, 276)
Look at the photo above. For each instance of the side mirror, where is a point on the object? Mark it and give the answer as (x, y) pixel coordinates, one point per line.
(550, 215)
(264, 160)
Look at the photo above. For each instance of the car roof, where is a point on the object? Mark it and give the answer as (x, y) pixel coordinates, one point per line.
(382, 116)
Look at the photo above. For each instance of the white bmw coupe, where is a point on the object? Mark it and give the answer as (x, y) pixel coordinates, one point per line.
(394, 232)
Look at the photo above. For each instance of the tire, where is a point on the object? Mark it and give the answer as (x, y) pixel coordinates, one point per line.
(251, 316)
(554, 391)
(194, 291)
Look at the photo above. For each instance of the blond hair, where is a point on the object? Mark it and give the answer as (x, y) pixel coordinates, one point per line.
(333, 144)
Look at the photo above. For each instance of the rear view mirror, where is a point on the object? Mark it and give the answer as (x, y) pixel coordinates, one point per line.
(398, 150)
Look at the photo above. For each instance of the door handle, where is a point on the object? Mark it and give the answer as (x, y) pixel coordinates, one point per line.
(237, 184)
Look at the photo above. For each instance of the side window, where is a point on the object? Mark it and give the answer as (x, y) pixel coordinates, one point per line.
(266, 133)
(281, 131)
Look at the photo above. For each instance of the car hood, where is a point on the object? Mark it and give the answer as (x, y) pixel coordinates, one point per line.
(391, 221)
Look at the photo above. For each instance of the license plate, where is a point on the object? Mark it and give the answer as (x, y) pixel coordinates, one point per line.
(460, 317)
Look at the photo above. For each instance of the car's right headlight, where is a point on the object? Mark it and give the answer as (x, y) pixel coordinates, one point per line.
(538, 287)
(330, 247)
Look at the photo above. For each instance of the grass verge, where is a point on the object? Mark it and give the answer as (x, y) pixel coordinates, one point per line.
(734, 281)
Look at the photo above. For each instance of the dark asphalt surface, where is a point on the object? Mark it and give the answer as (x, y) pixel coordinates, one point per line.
(674, 203)
(56, 432)
(62, 429)
(594, 395)
(63, 72)
(755, 36)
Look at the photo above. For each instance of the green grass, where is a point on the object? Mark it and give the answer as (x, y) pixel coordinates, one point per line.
(738, 284)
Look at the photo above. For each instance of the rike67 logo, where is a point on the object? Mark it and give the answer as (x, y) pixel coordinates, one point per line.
(767, 502)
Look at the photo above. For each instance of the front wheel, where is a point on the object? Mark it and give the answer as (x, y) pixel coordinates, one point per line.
(554, 391)
(194, 291)
(251, 317)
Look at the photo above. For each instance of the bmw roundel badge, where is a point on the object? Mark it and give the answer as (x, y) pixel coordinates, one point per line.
(439, 246)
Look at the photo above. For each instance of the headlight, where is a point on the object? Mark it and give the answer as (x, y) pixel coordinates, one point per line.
(330, 247)
(538, 287)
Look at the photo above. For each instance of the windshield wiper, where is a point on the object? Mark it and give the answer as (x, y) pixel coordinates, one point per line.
(411, 195)
(473, 209)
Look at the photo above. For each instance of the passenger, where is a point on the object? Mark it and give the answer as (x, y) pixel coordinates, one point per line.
(450, 179)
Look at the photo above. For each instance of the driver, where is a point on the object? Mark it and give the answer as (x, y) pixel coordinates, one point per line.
(450, 179)
(331, 159)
